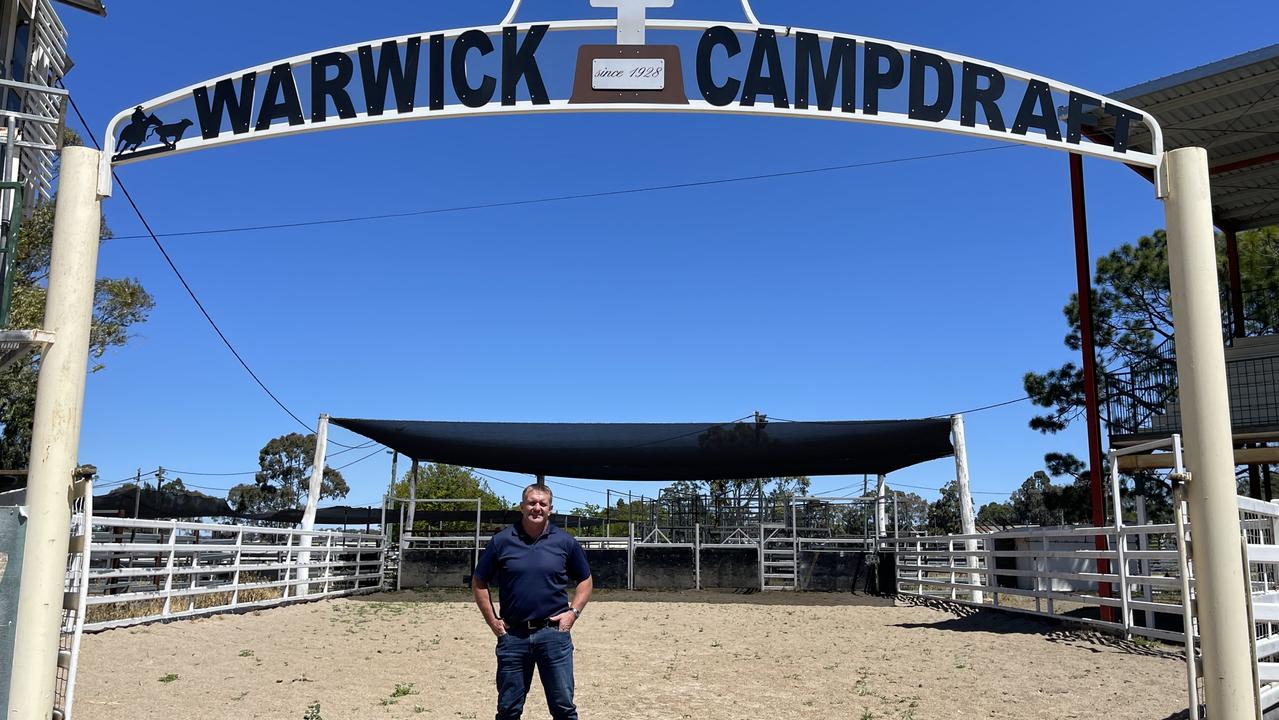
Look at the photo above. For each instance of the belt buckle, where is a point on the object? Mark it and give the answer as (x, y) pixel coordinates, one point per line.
(535, 625)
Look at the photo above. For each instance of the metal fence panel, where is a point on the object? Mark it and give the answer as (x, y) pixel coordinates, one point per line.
(13, 534)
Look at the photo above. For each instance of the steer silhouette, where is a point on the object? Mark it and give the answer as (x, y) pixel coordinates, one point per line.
(170, 134)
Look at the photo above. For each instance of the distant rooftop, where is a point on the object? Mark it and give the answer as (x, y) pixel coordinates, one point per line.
(97, 7)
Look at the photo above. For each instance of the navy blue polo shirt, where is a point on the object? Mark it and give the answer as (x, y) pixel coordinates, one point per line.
(532, 573)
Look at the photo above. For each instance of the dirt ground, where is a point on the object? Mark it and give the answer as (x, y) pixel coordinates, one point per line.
(663, 656)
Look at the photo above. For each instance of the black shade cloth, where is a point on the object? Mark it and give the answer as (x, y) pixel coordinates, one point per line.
(160, 505)
(337, 515)
(681, 451)
(153, 504)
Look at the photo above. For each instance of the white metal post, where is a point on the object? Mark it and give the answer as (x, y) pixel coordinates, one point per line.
(328, 563)
(1201, 373)
(475, 562)
(1046, 563)
(55, 436)
(761, 553)
(697, 556)
(919, 566)
(1038, 562)
(881, 511)
(312, 501)
(950, 560)
(239, 557)
(967, 524)
(1121, 544)
(399, 562)
(288, 564)
(168, 570)
(406, 533)
(194, 578)
(386, 541)
(1143, 565)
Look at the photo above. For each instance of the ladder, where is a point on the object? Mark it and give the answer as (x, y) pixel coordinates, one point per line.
(778, 561)
(75, 592)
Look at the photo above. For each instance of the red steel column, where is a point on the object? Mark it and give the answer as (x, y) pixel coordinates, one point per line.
(1236, 283)
(1092, 417)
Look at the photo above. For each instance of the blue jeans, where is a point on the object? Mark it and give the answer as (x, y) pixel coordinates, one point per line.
(551, 651)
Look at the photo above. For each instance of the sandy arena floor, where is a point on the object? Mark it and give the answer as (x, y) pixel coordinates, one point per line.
(664, 656)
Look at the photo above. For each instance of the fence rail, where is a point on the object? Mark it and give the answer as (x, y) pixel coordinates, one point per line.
(1035, 571)
(146, 570)
(1053, 572)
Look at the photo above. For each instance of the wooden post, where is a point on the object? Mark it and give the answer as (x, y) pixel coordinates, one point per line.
(967, 523)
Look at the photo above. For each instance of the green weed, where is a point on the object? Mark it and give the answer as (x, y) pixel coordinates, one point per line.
(402, 689)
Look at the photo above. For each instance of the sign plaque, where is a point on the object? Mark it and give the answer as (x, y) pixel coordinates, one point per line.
(628, 74)
(630, 71)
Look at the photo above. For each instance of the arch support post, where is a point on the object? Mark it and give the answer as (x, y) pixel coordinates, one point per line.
(55, 436)
(1230, 690)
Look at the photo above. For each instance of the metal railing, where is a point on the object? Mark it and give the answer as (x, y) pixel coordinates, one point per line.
(1261, 535)
(146, 570)
(1050, 572)
(1037, 571)
(1142, 402)
(33, 107)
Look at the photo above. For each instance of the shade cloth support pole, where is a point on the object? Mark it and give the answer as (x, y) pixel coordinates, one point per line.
(967, 523)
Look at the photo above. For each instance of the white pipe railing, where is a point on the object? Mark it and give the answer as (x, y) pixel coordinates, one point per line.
(146, 570)
(1149, 581)
(1043, 567)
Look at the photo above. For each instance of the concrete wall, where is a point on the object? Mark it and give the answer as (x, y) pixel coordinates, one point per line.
(664, 568)
(730, 568)
(608, 567)
(436, 568)
(833, 571)
(667, 568)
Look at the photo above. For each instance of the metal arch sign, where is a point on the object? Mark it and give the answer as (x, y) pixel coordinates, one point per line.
(737, 68)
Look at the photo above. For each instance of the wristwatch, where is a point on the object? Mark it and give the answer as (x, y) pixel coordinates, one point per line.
(576, 613)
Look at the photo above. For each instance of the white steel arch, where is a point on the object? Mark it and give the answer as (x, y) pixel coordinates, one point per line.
(901, 118)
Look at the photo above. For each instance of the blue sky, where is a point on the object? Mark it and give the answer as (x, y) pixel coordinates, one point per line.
(895, 291)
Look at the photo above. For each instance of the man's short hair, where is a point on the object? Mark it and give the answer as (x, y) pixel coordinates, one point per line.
(550, 496)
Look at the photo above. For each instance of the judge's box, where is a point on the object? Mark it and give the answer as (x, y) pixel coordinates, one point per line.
(629, 74)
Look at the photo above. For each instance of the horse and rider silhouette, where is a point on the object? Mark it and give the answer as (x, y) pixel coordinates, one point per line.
(141, 127)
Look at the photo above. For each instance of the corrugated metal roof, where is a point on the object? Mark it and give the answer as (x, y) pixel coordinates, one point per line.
(1230, 107)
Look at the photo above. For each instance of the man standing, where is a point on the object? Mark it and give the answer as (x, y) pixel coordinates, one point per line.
(533, 562)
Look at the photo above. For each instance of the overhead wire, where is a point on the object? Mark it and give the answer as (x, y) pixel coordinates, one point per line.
(566, 198)
(353, 462)
(571, 501)
(172, 266)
